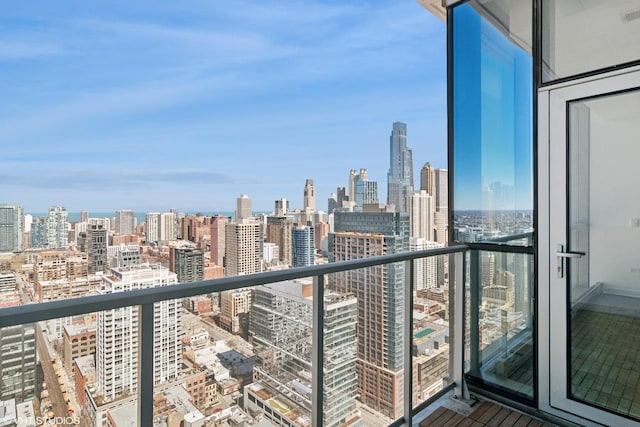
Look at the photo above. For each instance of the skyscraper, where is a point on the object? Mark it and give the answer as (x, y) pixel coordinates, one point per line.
(280, 329)
(11, 228)
(309, 196)
(366, 193)
(243, 208)
(18, 362)
(279, 233)
(218, 223)
(442, 206)
(422, 215)
(168, 227)
(400, 176)
(281, 207)
(57, 228)
(428, 179)
(117, 347)
(332, 203)
(84, 216)
(153, 227)
(187, 263)
(380, 301)
(243, 248)
(125, 222)
(302, 246)
(96, 248)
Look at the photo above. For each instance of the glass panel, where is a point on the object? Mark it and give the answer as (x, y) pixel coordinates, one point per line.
(604, 224)
(500, 329)
(379, 361)
(581, 36)
(492, 138)
(432, 341)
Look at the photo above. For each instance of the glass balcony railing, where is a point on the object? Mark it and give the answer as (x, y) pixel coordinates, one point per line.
(380, 344)
(499, 308)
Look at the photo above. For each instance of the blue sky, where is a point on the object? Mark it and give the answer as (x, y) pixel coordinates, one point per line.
(152, 105)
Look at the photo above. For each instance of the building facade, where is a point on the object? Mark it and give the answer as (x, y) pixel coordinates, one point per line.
(400, 176)
(11, 228)
(117, 333)
(125, 222)
(378, 291)
(57, 228)
(303, 251)
(280, 330)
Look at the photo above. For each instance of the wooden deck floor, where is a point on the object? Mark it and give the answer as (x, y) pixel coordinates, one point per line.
(486, 414)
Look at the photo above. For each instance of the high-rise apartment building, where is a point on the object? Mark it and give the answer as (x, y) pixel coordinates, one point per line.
(309, 196)
(442, 206)
(153, 227)
(125, 222)
(243, 248)
(11, 228)
(243, 208)
(366, 193)
(281, 207)
(96, 247)
(400, 176)
(279, 233)
(57, 228)
(380, 301)
(218, 223)
(17, 362)
(117, 348)
(235, 307)
(428, 179)
(187, 263)
(168, 227)
(303, 246)
(280, 330)
(39, 233)
(422, 215)
(426, 270)
(332, 203)
(84, 216)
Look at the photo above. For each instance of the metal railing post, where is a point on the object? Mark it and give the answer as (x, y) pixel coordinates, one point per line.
(408, 342)
(317, 352)
(456, 316)
(145, 364)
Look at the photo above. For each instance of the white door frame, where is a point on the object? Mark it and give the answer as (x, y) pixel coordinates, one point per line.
(552, 208)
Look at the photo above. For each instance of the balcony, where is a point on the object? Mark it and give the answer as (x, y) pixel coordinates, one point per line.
(455, 345)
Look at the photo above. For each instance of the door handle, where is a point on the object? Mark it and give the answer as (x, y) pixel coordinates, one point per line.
(561, 254)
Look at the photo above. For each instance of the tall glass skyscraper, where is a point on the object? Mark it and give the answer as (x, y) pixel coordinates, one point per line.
(302, 246)
(11, 228)
(400, 176)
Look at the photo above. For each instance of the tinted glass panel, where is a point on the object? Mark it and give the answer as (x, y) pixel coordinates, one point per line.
(492, 138)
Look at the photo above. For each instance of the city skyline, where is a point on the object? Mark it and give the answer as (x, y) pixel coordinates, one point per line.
(193, 107)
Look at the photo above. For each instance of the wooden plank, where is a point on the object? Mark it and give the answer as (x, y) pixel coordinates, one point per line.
(489, 414)
(499, 417)
(511, 420)
(523, 421)
(454, 421)
(469, 422)
(480, 410)
(433, 417)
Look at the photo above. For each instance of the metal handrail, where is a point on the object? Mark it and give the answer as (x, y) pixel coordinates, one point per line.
(18, 315)
(146, 298)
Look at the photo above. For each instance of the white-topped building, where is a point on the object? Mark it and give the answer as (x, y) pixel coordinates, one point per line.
(117, 348)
